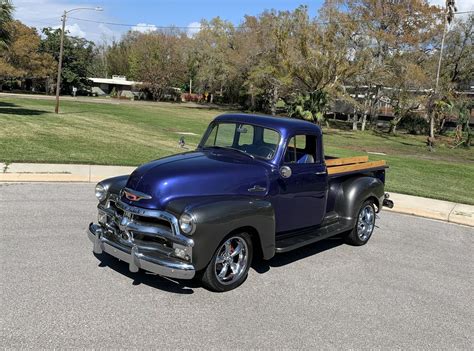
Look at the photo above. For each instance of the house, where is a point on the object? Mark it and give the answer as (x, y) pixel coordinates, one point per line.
(118, 85)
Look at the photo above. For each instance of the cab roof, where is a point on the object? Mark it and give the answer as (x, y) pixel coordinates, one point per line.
(286, 126)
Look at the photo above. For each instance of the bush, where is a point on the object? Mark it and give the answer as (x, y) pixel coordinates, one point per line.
(414, 124)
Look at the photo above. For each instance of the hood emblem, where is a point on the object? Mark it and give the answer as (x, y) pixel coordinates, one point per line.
(134, 195)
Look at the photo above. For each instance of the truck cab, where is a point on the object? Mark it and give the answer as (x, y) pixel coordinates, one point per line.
(255, 185)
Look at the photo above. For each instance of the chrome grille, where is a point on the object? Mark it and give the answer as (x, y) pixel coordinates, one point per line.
(137, 226)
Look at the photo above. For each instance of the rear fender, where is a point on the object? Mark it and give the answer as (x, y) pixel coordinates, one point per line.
(354, 192)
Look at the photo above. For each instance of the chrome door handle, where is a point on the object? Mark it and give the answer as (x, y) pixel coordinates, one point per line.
(320, 173)
(256, 188)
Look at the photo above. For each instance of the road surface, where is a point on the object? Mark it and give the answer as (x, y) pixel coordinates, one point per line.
(410, 287)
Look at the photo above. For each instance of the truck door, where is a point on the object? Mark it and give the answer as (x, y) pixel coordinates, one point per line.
(302, 185)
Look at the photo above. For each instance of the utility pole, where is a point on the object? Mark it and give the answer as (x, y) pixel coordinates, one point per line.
(60, 63)
(61, 49)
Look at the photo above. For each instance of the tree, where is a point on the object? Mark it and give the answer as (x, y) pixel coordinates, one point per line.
(212, 47)
(321, 58)
(23, 59)
(6, 12)
(400, 37)
(156, 58)
(269, 75)
(458, 68)
(78, 58)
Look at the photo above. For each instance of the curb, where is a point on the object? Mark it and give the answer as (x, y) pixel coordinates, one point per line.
(407, 204)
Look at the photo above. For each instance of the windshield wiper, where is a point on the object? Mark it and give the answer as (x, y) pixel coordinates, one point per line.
(229, 148)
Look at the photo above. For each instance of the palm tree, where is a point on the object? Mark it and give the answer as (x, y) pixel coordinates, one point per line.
(6, 12)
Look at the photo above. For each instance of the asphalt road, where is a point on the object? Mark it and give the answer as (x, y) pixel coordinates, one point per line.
(410, 287)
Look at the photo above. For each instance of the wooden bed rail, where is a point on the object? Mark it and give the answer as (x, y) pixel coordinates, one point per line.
(350, 164)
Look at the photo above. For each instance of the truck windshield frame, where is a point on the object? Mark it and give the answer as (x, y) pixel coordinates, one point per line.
(264, 141)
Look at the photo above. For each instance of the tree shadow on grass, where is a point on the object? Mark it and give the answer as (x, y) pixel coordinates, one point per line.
(397, 138)
(7, 108)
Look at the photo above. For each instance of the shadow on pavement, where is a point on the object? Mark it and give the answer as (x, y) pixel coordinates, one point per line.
(186, 286)
(150, 279)
(283, 259)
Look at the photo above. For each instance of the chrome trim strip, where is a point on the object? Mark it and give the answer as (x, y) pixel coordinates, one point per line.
(136, 259)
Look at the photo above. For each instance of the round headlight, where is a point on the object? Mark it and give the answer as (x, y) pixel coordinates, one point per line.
(186, 224)
(100, 192)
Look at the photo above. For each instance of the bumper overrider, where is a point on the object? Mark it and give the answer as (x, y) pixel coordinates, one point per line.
(124, 233)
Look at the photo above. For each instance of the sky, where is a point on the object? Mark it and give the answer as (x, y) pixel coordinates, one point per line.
(145, 14)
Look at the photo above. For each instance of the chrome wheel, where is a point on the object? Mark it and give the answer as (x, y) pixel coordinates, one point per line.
(365, 222)
(231, 261)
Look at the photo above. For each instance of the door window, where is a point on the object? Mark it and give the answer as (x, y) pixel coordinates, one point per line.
(301, 149)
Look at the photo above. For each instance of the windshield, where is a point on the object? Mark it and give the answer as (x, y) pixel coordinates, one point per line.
(255, 141)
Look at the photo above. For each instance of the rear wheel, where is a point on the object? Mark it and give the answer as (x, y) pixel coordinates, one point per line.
(230, 264)
(365, 225)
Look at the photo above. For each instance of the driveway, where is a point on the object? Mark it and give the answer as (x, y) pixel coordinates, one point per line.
(410, 287)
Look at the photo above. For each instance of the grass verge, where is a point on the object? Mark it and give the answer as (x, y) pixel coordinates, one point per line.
(134, 133)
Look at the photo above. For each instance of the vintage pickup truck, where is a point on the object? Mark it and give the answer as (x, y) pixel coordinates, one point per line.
(255, 186)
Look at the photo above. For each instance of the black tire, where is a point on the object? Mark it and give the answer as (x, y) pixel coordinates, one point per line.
(364, 226)
(222, 257)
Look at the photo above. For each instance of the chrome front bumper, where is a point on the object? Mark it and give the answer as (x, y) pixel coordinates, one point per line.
(136, 257)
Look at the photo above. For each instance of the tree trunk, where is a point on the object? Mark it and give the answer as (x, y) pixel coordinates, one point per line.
(211, 99)
(432, 122)
(274, 100)
(364, 121)
(354, 122)
(393, 125)
(393, 128)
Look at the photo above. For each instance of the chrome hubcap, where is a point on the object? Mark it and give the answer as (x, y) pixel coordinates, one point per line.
(231, 261)
(365, 222)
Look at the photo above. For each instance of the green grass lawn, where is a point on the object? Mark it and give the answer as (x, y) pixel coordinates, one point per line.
(131, 134)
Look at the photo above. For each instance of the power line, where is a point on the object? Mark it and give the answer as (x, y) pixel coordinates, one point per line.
(153, 26)
(136, 25)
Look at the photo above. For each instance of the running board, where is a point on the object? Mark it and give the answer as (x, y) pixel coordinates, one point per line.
(297, 239)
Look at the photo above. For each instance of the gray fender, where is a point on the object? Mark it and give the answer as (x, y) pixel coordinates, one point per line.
(218, 217)
(114, 184)
(354, 192)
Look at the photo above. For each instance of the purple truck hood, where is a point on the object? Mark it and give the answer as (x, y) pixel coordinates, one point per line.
(199, 173)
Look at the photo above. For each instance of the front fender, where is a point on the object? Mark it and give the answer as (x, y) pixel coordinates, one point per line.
(354, 192)
(217, 217)
(114, 184)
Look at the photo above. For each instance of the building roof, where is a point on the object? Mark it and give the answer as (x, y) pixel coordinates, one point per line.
(117, 80)
(286, 126)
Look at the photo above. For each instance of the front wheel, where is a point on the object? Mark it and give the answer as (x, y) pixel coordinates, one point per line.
(365, 225)
(230, 264)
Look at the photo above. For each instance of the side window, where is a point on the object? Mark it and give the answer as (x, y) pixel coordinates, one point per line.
(301, 149)
(245, 134)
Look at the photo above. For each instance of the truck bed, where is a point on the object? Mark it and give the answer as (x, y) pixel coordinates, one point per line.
(339, 166)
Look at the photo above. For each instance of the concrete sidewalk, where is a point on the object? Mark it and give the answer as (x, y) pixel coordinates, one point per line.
(30, 172)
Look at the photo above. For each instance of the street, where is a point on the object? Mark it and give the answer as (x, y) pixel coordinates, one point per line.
(411, 286)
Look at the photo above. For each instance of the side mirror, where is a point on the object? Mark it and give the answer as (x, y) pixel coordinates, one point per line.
(285, 172)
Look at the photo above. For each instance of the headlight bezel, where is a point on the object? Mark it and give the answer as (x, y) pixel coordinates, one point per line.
(187, 223)
(100, 192)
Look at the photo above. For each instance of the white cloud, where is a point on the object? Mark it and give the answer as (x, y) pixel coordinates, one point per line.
(47, 13)
(144, 28)
(193, 29)
(75, 30)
